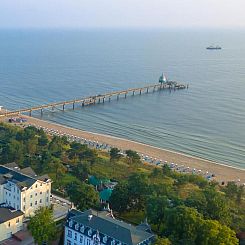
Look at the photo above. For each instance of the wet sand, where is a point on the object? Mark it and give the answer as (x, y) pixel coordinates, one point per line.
(222, 172)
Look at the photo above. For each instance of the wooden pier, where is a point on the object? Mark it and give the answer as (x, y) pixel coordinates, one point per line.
(101, 98)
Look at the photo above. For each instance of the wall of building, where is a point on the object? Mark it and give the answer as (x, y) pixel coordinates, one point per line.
(72, 237)
(2, 194)
(27, 200)
(10, 227)
(38, 195)
(11, 195)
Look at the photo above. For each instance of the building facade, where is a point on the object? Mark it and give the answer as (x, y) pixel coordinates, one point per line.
(11, 221)
(101, 228)
(22, 189)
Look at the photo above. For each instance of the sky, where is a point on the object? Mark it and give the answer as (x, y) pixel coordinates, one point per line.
(122, 13)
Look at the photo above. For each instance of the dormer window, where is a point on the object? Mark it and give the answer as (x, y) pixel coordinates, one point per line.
(82, 229)
(77, 226)
(90, 232)
(105, 239)
(70, 223)
(113, 242)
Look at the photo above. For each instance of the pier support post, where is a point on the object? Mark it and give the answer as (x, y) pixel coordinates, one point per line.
(125, 96)
(63, 107)
(30, 113)
(118, 97)
(140, 92)
(73, 105)
(83, 104)
(103, 99)
(147, 90)
(52, 108)
(109, 99)
(99, 100)
(42, 112)
(133, 93)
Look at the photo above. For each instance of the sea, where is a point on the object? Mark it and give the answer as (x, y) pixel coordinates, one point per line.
(207, 120)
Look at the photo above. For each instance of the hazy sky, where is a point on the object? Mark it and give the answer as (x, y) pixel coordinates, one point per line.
(122, 13)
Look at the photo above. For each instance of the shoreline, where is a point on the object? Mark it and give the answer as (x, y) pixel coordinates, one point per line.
(223, 172)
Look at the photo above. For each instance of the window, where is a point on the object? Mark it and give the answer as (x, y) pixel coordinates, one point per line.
(31, 196)
(81, 239)
(17, 221)
(24, 199)
(14, 196)
(75, 238)
(68, 242)
(24, 207)
(35, 202)
(31, 204)
(47, 199)
(40, 201)
(41, 193)
(9, 224)
(18, 207)
(36, 185)
(41, 184)
(69, 233)
(105, 239)
(88, 242)
(36, 194)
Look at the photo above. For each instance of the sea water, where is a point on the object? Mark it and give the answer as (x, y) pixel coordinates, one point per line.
(207, 120)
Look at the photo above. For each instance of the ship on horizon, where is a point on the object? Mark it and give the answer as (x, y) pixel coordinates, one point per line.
(213, 47)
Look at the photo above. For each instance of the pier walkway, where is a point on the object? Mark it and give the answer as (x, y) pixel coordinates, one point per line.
(95, 99)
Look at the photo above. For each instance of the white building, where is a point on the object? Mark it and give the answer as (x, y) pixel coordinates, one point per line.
(98, 228)
(11, 221)
(22, 189)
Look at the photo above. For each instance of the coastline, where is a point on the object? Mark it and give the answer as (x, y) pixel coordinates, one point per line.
(223, 172)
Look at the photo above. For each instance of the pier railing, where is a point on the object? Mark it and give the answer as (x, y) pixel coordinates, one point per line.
(96, 98)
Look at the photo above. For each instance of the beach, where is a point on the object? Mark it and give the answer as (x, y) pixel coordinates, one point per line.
(222, 172)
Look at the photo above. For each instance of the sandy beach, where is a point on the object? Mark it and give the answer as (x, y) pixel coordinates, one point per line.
(222, 172)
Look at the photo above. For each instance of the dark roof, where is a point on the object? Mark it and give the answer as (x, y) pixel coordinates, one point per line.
(28, 171)
(7, 214)
(15, 176)
(44, 177)
(11, 165)
(116, 229)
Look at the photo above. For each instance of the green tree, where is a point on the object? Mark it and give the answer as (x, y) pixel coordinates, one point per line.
(231, 190)
(42, 226)
(82, 170)
(133, 157)
(57, 167)
(114, 154)
(156, 210)
(217, 206)
(213, 233)
(119, 199)
(83, 196)
(138, 187)
(162, 241)
(182, 224)
(43, 139)
(197, 200)
(166, 170)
